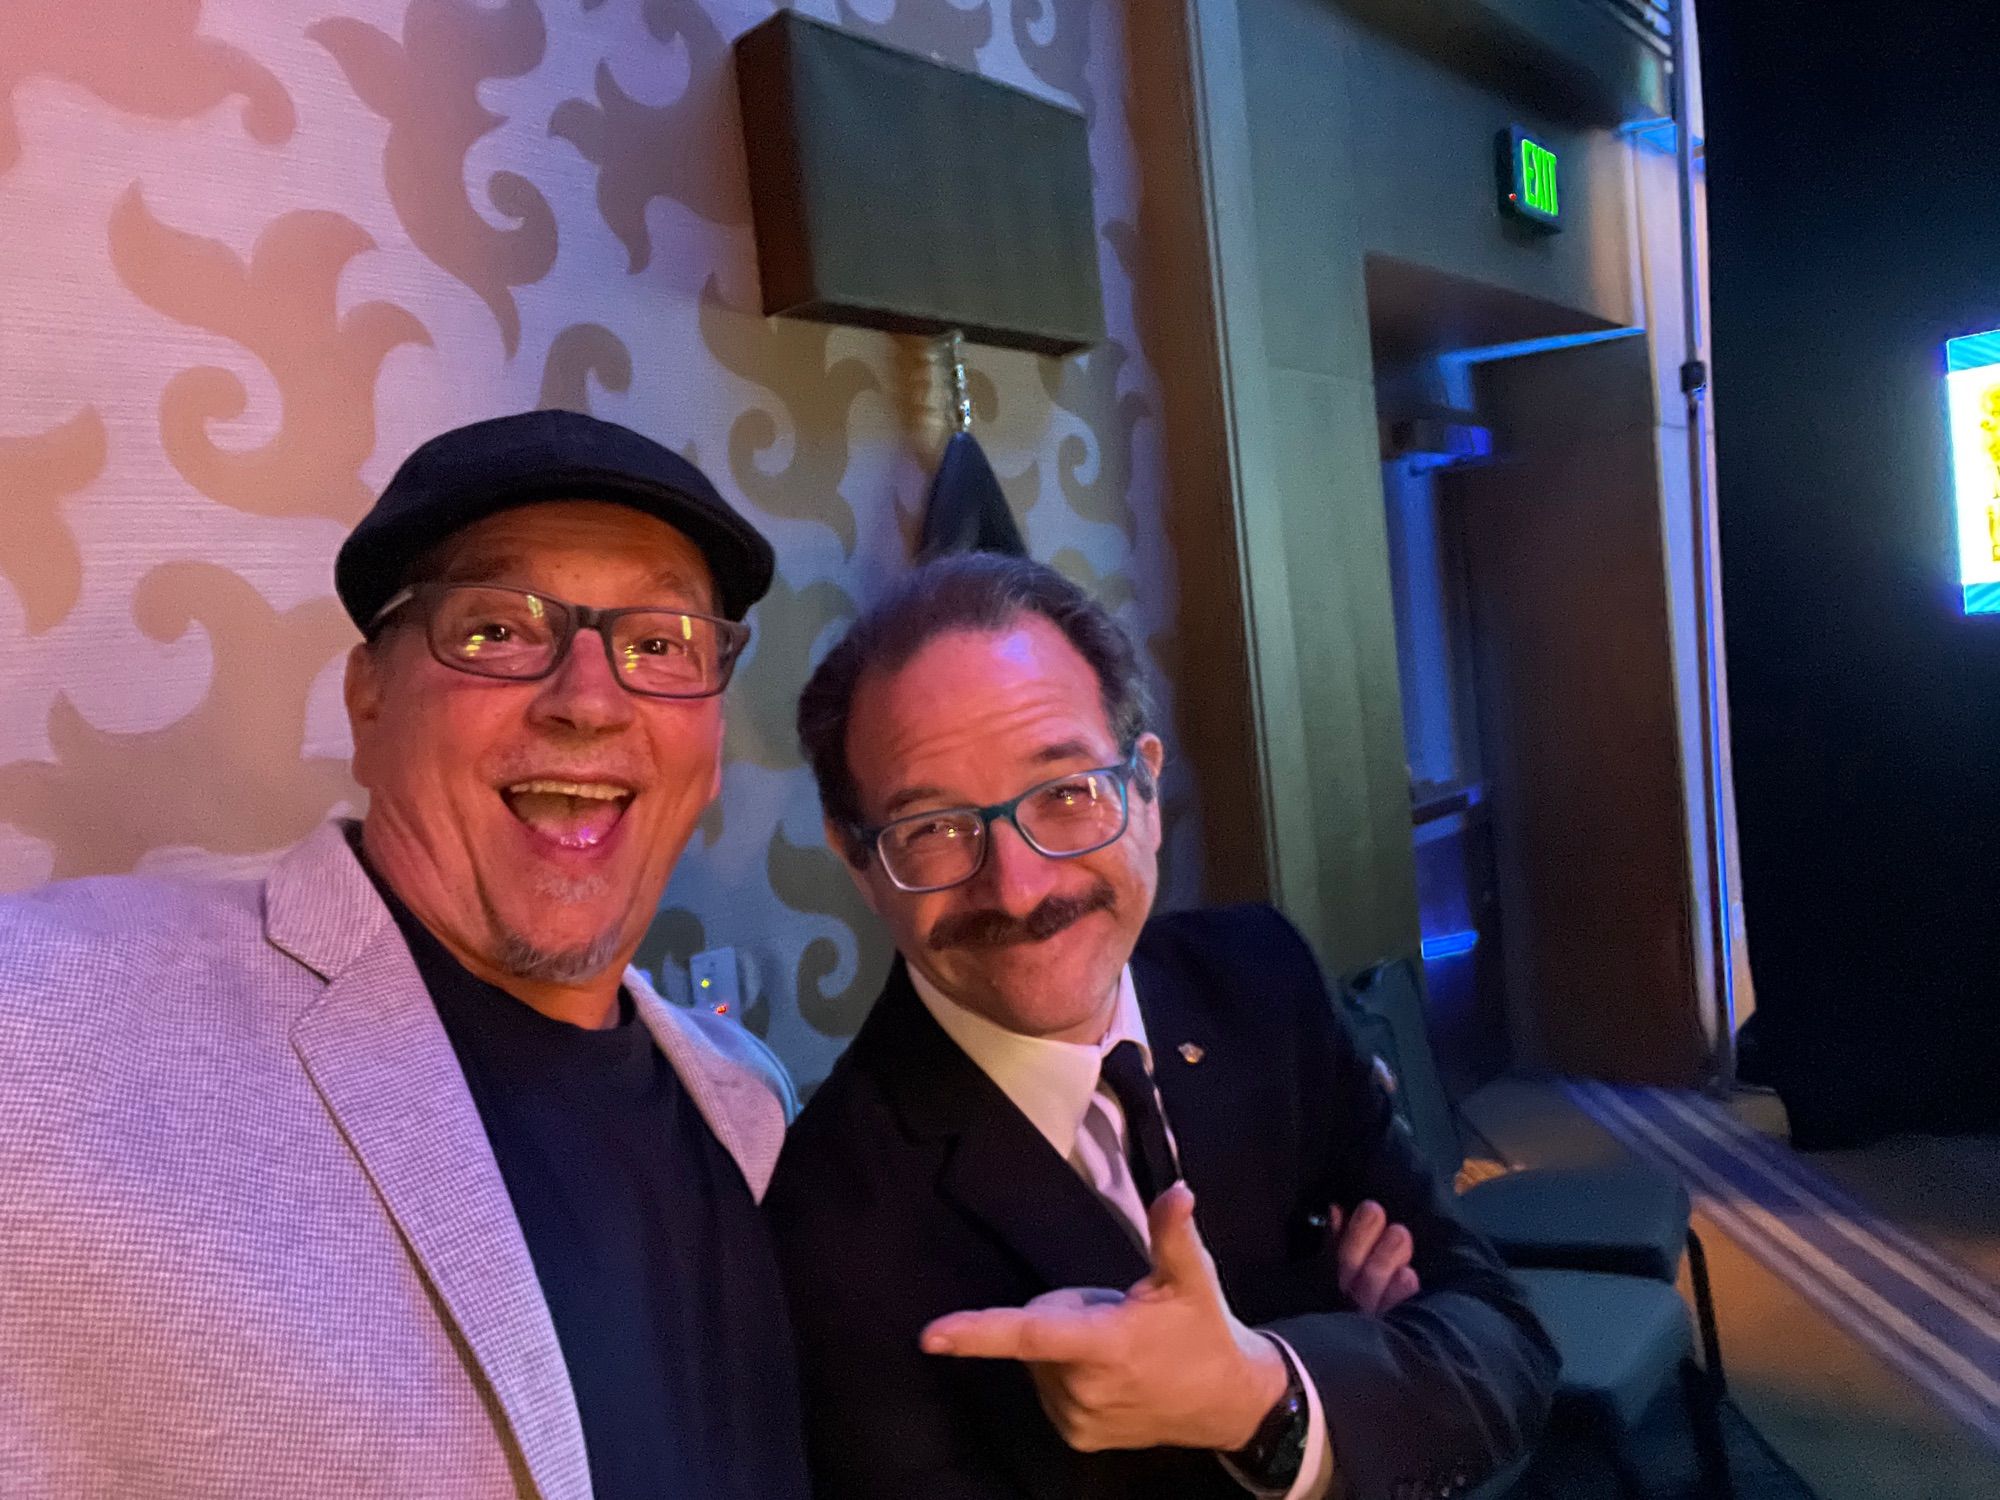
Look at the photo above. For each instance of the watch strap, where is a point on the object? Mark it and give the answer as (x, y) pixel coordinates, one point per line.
(1271, 1460)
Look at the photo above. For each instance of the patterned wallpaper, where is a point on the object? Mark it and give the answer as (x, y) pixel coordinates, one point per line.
(254, 251)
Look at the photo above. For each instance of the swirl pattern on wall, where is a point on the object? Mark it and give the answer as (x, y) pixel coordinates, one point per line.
(145, 57)
(281, 307)
(427, 88)
(38, 553)
(645, 151)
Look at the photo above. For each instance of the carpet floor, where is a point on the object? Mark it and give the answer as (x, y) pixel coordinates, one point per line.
(1934, 1320)
(1855, 1413)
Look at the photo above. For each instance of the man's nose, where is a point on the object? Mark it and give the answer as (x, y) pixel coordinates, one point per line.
(583, 693)
(1014, 878)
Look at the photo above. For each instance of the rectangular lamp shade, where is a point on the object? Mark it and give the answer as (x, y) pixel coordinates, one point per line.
(893, 192)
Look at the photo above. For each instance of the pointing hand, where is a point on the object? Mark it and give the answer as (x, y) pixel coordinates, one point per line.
(1163, 1364)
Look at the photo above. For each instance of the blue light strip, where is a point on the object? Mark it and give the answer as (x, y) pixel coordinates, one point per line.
(1450, 944)
(1660, 136)
(1456, 366)
(1492, 352)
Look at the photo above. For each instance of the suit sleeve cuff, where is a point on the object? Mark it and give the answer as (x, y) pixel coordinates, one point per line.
(1316, 1476)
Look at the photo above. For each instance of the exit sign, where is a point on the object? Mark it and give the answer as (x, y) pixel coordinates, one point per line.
(1530, 180)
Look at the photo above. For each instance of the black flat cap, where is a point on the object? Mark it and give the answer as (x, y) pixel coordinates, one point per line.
(469, 473)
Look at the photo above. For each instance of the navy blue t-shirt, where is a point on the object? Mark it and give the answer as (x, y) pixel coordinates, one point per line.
(650, 1250)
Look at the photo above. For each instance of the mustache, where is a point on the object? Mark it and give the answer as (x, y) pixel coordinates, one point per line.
(552, 762)
(996, 929)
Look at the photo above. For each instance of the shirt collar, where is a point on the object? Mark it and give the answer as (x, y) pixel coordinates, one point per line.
(1050, 1082)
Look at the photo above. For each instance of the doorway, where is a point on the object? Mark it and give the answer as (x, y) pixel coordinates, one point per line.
(1548, 809)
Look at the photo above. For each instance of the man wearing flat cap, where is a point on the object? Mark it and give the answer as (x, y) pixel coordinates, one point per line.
(386, 1176)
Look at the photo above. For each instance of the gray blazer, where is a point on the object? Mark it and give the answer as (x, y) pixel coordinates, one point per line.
(253, 1241)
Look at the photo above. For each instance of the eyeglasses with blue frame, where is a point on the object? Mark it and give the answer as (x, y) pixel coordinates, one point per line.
(1064, 817)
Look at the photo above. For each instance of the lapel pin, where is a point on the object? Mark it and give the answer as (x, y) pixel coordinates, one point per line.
(1191, 1053)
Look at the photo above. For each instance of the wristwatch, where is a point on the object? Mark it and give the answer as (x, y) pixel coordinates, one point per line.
(1271, 1460)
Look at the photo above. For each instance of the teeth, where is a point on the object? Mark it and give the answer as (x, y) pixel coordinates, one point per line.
(597, 791)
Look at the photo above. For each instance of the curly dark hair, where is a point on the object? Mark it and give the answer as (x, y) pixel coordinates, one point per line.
(980, 591)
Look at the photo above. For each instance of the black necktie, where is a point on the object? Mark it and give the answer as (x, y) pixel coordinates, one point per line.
(1147, 1152)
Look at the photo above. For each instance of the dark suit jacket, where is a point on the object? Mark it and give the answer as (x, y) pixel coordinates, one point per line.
(912, 1187)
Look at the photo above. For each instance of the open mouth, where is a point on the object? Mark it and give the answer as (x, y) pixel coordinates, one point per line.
(573, 814)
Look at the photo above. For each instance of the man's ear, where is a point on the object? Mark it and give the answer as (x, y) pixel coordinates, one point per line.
(361, 688)
(838, 840)
(1153, 757)
(721, 740)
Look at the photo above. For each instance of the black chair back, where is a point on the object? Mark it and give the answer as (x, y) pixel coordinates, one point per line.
(1385, 1006)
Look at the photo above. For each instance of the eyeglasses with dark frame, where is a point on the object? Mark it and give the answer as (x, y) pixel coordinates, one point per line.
(1063, 818)
(519, 635)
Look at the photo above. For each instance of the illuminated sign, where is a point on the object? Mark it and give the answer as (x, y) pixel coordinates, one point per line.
(1530, 180)
(1972, 390)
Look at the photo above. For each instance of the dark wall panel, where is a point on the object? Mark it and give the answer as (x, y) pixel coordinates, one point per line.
(1854, 200)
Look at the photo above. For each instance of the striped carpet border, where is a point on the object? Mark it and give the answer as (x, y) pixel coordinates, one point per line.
(1933, 1320)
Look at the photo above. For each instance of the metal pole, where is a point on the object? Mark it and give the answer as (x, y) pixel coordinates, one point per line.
(1694, 386)
(961, 394)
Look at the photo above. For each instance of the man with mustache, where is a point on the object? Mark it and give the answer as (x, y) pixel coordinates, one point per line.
(1100, 1203)
(386, 1176)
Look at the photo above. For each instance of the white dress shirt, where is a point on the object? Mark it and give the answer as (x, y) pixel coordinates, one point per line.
(1057, 1086)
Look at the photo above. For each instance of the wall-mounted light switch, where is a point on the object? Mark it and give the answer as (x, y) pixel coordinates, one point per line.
(713, 982)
